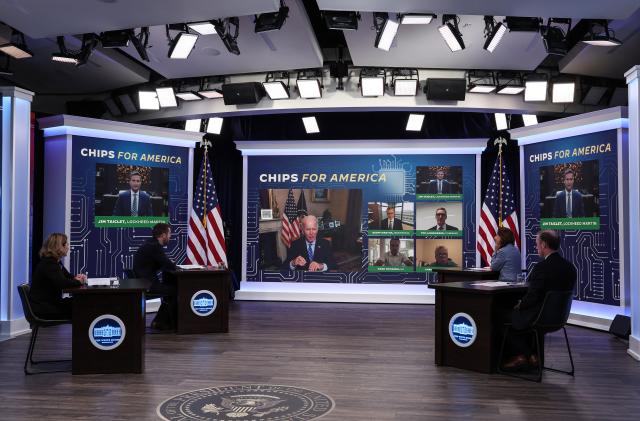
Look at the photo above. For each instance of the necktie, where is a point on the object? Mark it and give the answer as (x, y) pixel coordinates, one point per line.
(390, 224)
(439, 186)
(134, 206)
(440, 228)
(569, 209)
(310, 252)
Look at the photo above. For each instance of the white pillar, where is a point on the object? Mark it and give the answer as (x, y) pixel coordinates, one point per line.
(633, 86)
(15, 197)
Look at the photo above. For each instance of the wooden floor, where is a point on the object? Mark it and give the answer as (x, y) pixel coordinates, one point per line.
(375, 361)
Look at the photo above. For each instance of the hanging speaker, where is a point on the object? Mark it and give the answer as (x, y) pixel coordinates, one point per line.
(621, 326)
(242, 93)
(446, 89)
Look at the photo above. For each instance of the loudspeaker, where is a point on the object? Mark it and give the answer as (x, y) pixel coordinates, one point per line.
(621, 326)
(446, 89)
(242, 93)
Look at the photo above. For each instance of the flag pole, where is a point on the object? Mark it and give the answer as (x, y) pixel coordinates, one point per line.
(500, 141)
(206, 145)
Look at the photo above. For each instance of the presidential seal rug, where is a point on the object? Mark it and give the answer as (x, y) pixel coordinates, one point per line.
(247, 402)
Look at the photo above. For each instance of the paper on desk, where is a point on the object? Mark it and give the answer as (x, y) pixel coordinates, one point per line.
(187, 267)
(493, 284)
(94, 282)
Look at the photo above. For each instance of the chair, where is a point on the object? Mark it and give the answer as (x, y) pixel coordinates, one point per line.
(552, 317)
(130, 274)
(36, 323)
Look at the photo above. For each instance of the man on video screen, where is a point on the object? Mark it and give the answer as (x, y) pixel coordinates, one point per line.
(439, 185)
(441, 221)
(309, 252)
(568, 202)
(133, 202)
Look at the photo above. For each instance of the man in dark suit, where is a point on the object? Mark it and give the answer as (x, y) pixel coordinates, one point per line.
(391, 222)
(568, 202)
(439, 185)
(309, 252)
(150, 259)
(441, 221)
(133, 202)
(553, 273)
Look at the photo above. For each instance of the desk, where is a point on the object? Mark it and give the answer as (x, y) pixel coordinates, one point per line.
(203, 299)
(469, 324)
(459, 275)
(108, 328)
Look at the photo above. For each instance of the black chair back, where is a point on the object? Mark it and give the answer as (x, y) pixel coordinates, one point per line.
(23, 292)
(555, 311)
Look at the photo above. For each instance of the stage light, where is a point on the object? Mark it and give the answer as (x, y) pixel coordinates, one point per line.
(80, 57)
(563, 91)
(529, 119)
(345, 21)
(509, 83)
(275, 85)
(481, 82)
(140, 42)
(450, 32)
(414, 123)
(405, 82)
(17, 49)
(115, 39)
(372, 82)
(188, 96)
(523, 24)
(536, 87)
(148, 100)
(127, 103)
(554, 38)
(493, 33)
(166, 97)
(5, 70)
(192, 125)
(271, 21)
(604, 37)
(310, 125)
(229, 38)
(417, 18)
(65, 58)
(203, 28)
(210, 93)
(501, 121)
(214, 125)
(386, 29)
(113, 107)
(181, 46)
(309, 84)
(594, 95)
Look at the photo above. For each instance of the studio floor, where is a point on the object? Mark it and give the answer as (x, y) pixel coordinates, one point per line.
(375, 361)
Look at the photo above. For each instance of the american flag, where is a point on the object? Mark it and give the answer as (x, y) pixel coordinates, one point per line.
(290, 228)
(205, 245)
(490, 216)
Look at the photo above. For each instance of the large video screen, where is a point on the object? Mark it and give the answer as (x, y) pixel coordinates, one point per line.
(362, 219)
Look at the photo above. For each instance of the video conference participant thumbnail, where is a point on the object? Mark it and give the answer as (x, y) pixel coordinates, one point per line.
(133, 202)
(390, 216)
(391, 252)
(432, 253)
(569, 190)
(439, 180)
(568, 202)
(309, 252)
(438, 216)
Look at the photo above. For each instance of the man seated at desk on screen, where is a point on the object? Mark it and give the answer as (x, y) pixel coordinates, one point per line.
(552, 273)
(442, 258)
(133, 202)
(309, 252)
(393, 257)
(568, 202)
(147, 262)
(441, 221)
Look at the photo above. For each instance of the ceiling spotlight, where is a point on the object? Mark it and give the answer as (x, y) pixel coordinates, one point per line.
(310, 125)
(523, 24)
(529, 119)
(188, 96)
(414, 124)
(228, 35)
(192, 125)
(509, 83)
(417, 18)
(450, 32)
(181, 46)
(600, 35)
(17, 46)
(271, 21)
(493, 33)
(481, 82)
(563, 91)
(166, 97)
(554, 37)
(203, 28)
(309, 83)
(77, 57)
(386, 27)
(148, 100)
(405, 82)
(338, 20)
(214, 125)
(275, 86)
(372, 82)
(501, 121)
(535, 87)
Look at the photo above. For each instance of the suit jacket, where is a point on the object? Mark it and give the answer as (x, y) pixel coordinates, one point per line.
(48, 281)
(150, 259)
(321, 254)
(447, 227)
(552, 274)
(560, 204)
(397, 224)
(433, 187)
(123, 204)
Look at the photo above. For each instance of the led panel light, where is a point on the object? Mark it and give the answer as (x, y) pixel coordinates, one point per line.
(16, 51)
(166, 97)
(127, 103)
(501, 121)
(417, 18)
(405, 87)
(276, 90)
(310, 124)
(529, 119)
(65, 58)
(188, 96)
(214, 125)
(414, 123)
(494, 39)
(535, 90)
(452, 37)
(510, 90)
(387, 34)
(602, 41)
(192, 125)
(148, 100)
(182, 45)
(309, 88)
(210, 93)
(563, 92)
(481, 89)
(203, 28)
(372, 86)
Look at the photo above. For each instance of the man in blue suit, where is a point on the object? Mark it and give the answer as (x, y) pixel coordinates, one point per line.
(568, 202)
(439, 185)
(133, 202)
